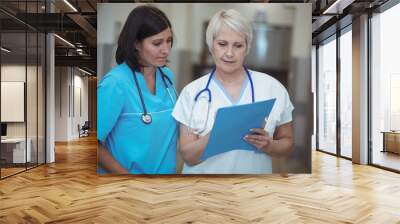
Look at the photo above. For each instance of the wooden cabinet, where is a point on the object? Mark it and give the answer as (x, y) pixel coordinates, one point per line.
(391, 142)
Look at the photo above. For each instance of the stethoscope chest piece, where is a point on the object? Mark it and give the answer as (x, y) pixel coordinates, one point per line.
(146, 118)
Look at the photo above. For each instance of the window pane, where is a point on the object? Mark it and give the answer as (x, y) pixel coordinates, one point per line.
(386, 89)
(13, 86)
(345, 94)
(327, 97)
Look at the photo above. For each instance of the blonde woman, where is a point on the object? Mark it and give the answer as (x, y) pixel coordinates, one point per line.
(229, 37)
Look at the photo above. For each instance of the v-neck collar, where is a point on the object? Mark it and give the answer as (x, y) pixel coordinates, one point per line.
(221, 87)
(145, 88)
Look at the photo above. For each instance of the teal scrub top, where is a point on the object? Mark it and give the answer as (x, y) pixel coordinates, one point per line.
(139, 148)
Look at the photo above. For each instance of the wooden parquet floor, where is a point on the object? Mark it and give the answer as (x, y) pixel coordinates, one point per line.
(70, 191)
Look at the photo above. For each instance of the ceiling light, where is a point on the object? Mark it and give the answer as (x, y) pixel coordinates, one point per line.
(84, 71)
(338, 6)
(331, 7)
(70, 5)
(65, 41)
(5, 50)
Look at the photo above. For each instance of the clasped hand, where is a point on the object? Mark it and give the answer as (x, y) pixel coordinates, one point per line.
(260, 138)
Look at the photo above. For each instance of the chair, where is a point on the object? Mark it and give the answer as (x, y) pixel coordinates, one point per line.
(84, 130)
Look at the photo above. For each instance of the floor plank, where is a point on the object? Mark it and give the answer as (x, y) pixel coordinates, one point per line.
(70, 191)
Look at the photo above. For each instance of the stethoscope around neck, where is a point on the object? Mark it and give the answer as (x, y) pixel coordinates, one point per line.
(146, 117)
(208, 91)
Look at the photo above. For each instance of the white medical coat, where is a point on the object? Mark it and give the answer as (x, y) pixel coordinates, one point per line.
(235, 161)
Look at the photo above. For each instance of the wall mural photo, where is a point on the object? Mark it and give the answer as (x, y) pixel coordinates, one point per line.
(224, 91)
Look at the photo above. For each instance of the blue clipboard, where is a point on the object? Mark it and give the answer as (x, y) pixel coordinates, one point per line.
(233, 123)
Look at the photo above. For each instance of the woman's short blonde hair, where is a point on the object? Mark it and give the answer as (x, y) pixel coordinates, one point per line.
(232, 19)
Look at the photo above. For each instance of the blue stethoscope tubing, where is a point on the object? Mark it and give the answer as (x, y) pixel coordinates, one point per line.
(146, 117)
(208, 91)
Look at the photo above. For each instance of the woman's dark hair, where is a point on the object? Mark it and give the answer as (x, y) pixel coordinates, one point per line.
(142, 22)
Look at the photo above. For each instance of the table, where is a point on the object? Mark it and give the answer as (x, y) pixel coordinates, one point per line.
(15, 148)
(391, 141)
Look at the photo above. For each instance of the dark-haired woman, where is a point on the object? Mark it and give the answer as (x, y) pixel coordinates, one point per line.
(136, 131)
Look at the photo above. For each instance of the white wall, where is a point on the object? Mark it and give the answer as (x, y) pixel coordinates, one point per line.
(67, 115)
(33, 127)
(61, 83)
(15, 72)
(12, 101)
(12, 73)
(80, 84)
